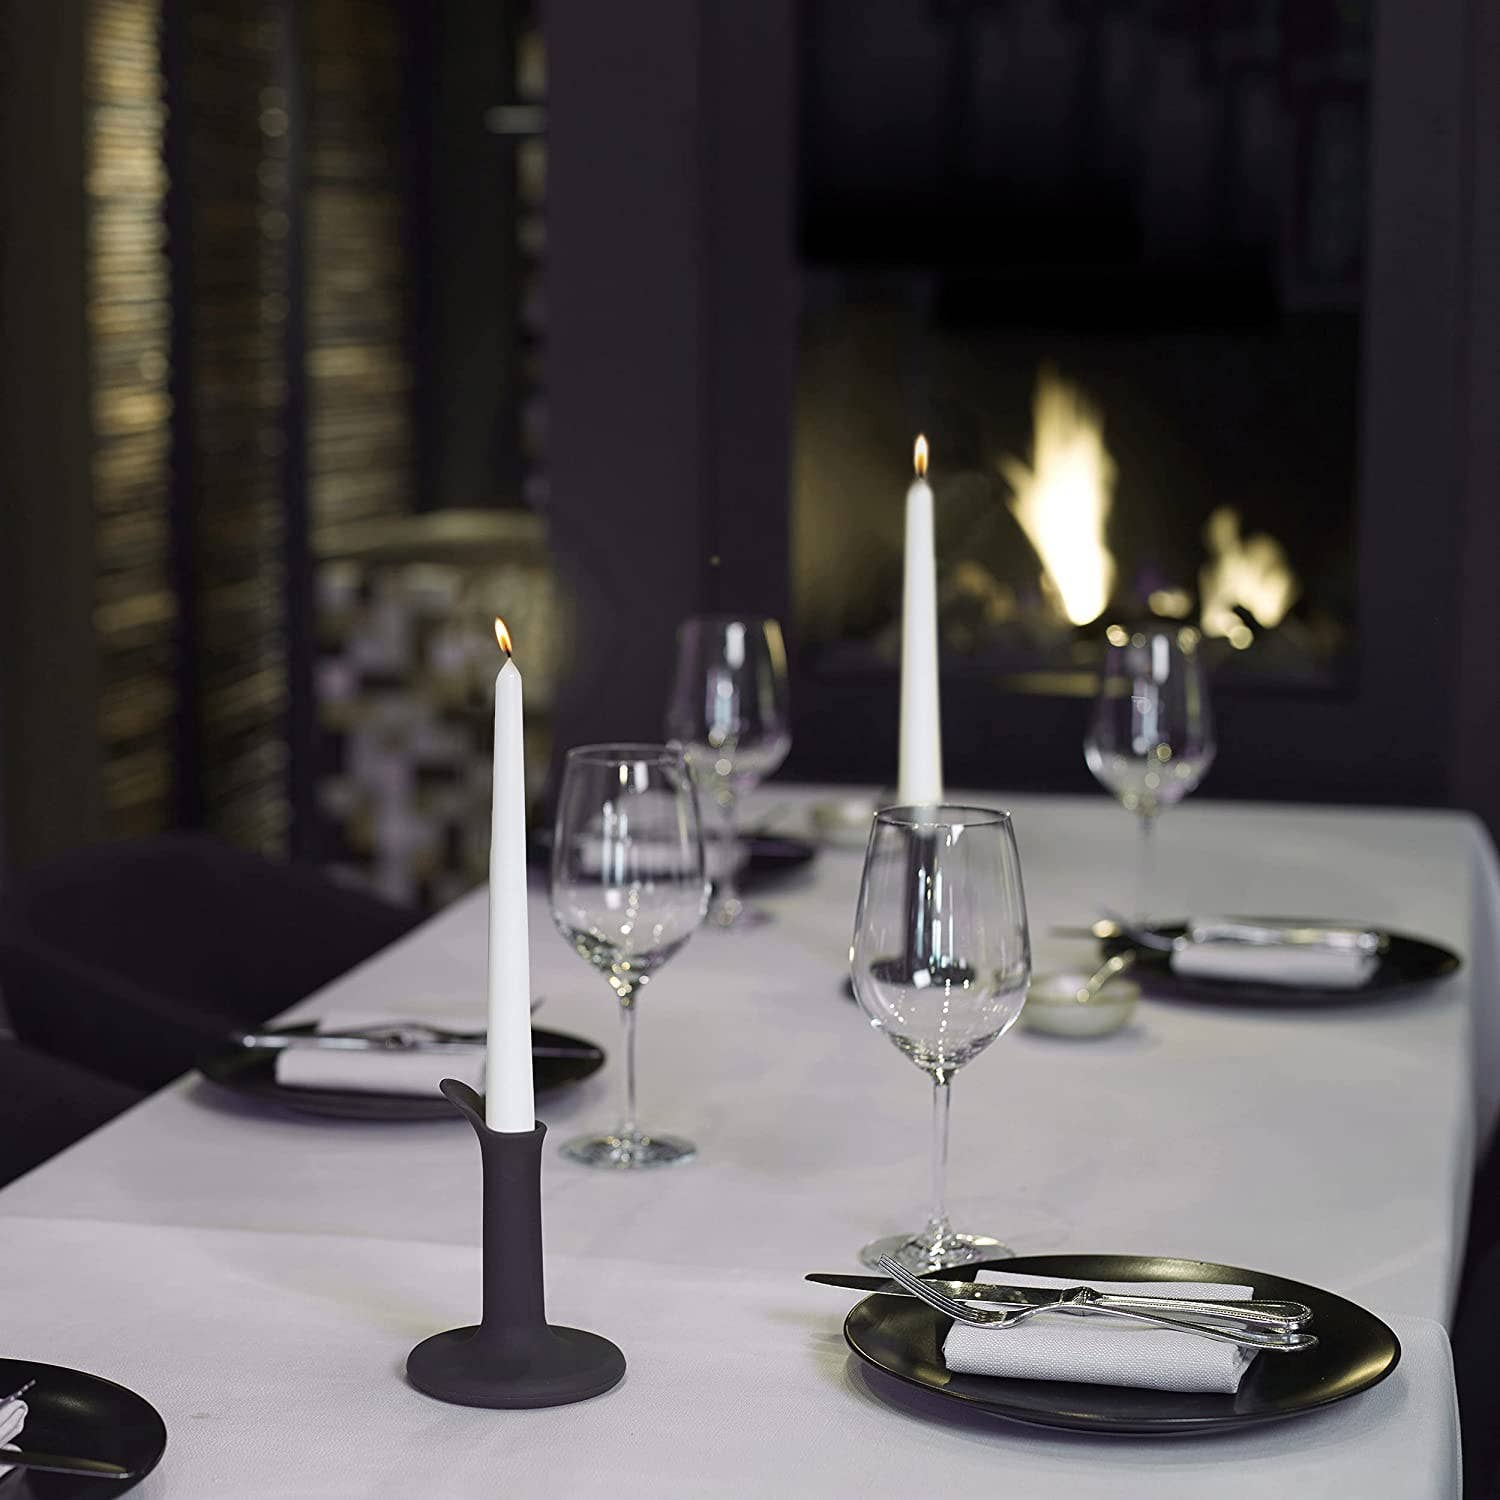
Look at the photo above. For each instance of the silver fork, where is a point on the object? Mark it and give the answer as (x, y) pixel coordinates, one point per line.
(1083, 1299)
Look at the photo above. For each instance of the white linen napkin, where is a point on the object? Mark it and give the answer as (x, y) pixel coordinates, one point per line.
(1097, 1349)
(12, 1420)
(378, 1070)
(1307, 964)
(648, 858)
(1331, 956)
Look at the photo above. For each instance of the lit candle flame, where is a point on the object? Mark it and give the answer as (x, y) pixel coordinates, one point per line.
(503, 636)
(919, 456)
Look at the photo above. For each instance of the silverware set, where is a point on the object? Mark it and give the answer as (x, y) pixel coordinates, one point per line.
(1253, 1323)
(402, 1036)
(1345, 939)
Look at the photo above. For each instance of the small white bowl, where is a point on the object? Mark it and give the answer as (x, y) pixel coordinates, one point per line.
(844, 824)
(1053, 1006)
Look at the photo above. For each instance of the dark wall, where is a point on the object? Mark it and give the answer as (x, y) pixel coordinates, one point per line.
(670, 343)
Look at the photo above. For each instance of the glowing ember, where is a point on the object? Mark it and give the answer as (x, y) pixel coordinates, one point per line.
(503, 636)
(1252, 573)
(1062, 500)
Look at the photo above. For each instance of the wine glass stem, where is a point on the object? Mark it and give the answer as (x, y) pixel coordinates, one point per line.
(1146, 869)
(628, 1127)
(937, 1225)
(727, 893)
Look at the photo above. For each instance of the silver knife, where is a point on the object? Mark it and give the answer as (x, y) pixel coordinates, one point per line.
(54, 1463)
(1286, 1315)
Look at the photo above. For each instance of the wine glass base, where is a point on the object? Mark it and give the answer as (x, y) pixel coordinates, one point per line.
(924, 1253)
(735, 916)
(632, 1153)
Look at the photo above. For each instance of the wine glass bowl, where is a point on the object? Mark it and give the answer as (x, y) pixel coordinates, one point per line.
(940, 963)
(627, 891)
(1150, 740)
(728, 710)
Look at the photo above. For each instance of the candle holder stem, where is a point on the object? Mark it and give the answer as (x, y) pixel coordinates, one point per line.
(513, 1357)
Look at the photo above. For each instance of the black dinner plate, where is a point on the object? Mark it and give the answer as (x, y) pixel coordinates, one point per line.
(1355, 1351)
(253, 1074)
(769, 856)
(75, 1415)
(1405, 962)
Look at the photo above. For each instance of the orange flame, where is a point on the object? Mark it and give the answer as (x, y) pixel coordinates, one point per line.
(919, 456)
(503, 636)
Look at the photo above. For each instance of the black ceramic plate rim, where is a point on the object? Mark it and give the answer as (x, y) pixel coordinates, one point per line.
(14, 1372)
(229, 1068)
(1388, 979)
(1068, 1415)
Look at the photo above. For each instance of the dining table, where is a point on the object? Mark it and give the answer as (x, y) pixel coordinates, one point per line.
(260, 1275)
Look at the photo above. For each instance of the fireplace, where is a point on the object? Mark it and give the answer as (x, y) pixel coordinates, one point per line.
(1245, 289)
(1187, 476)
(1123, 299)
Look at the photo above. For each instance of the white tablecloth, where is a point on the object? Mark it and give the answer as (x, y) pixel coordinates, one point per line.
(260, 1277)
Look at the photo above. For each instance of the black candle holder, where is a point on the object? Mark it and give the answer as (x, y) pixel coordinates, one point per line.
(513, 1357)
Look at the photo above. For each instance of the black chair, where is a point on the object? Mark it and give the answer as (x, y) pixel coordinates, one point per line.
(47, 1104)
(132, 959)
(1476, 1334)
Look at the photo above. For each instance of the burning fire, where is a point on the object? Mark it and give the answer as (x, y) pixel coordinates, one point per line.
(1062, 500)
(919, 456)
(1252, 573)
(503, 636)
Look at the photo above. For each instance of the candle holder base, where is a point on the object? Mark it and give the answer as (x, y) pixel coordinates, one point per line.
(513, 1357)
(572, 1365)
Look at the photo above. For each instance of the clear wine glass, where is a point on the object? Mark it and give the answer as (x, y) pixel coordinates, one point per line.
(628, 889)
(940, 961)
(728, 710)
(1151, 738)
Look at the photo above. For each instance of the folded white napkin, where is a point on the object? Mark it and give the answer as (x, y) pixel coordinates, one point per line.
(1307, 964)
(380, 1070)
(1321, 955)
(1097, 1349)
(12, 1420)
(643, 859)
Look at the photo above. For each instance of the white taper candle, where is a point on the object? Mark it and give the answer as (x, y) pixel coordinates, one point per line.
(920, 777)
(509, 1103)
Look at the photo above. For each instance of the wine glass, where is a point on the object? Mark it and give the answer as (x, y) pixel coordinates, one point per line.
(1151, 739)
(940, 962)
(728, 710)
(628, 889)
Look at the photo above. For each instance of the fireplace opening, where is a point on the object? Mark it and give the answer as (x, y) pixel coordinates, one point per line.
(1204, 477)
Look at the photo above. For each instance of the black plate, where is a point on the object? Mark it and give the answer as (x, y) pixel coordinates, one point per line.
(253, 1073)
(80, 1416)
(1404, 962)
(768, 856)
(1356, 1351)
